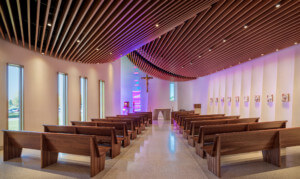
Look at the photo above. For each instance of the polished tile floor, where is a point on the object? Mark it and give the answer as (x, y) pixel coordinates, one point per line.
(160, 152)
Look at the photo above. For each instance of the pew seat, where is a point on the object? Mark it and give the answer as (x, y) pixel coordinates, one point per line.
(195, 126)
(105, 136)
(50, 144)
(207, 133)
(268, 141)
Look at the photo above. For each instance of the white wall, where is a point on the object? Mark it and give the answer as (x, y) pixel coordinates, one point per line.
(40, 87)
(275, 74)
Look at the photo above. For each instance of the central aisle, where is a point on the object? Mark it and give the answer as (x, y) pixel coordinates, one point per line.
(158, 153)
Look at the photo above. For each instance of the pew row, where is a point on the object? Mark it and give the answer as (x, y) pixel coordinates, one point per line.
(120, 128)
(50, 144)
(131, 124)
(105, 136)
(187, 121)
(193, 133)
(268, 141)
(207, 133)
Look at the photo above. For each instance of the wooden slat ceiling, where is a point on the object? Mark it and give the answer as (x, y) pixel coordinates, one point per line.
(153, 70)
(227, 34)
(179, 39)
(91, 31)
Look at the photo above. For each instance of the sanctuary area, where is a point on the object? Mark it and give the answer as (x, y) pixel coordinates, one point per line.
(152, 89)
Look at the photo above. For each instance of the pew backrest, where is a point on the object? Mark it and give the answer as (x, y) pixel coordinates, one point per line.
(207, 132)
(22, 139)
(196, 125)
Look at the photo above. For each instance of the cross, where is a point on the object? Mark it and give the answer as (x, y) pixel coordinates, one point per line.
(147, 78)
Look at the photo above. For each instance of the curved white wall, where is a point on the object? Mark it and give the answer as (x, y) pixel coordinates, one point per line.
(275, 74)
(40, 86)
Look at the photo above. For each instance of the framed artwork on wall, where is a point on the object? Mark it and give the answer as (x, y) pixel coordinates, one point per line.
(217, 100)
(222, 99)
(237, 99)
(285, 97)
(257, 98)
(211, 100)
(229, 99)
(246, 98)
(270, 98)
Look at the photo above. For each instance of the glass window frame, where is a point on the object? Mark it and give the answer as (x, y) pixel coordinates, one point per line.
(174, 91)
(86, 98)
(66, 97)
(21, 94)
(101, 99)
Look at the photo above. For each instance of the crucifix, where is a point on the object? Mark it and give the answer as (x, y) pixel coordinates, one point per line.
(147, 78)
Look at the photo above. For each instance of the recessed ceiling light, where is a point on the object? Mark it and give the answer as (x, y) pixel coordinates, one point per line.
(191, 63)
(278, 5)
(277, 50)
(43, 53)
(98, 63)
(156, 25)
(78, 41)
(224, 40)
(182, 67)
(97, 49)
(295, 43)
(199, 56)
(159, 37)
(245, 26)
(210, 49)
(121, 54)
(262, 54)
(249, 59)
(110, 53)
(49, 24)
(239, 62)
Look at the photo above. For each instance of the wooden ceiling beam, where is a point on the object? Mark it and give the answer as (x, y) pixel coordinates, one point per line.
(53, 25)
(20, 21)
(5, 23)
(45, 25)
(37, 23)
(12, 21)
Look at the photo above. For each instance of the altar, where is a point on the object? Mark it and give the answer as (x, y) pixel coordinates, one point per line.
(165, 112)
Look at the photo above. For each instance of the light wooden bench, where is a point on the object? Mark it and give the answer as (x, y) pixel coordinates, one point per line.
(131, 125)
(120, 128)
(193, 133)
(207, 133)
(186, 122)
(51, 144)
(105, 136)
(268, 141)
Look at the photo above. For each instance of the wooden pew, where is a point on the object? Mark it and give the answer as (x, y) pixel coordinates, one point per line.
(131, 124)
(149, 114)
(175, 115)
(194, 131)
(138, 119)
(120, 128)
(268, 141)
(187, 121)
(51, 144)
(183, 118)
(145, 117)
(105, 136)
(207, 133)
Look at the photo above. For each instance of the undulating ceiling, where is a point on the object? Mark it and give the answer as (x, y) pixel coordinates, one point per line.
(169, 39)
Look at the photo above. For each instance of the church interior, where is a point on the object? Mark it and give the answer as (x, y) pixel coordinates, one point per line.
(126, 89)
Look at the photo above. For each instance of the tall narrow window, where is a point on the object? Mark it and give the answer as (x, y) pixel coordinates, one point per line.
(102, 98)
(15, 96)
(62, 85)
(83, 98)
(172, 91)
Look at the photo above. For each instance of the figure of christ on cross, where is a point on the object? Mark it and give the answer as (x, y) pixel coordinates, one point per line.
(147, 78)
